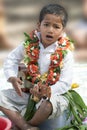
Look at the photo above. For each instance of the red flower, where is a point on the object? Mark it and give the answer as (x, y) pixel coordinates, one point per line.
(56, 59)
(31, 47)
(51, 79)
(35, 53)
(33, 69)
(50, 75)
(61, 40)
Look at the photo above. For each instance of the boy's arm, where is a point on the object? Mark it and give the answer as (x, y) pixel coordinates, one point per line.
(65, 81)
(11, 67)
(12, 61)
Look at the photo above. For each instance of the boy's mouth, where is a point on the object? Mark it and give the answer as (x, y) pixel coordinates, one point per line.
(49, 37)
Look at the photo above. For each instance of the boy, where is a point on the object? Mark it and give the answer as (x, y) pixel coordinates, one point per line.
(46, 57)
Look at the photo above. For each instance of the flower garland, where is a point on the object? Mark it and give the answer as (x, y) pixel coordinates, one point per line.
(32, 50)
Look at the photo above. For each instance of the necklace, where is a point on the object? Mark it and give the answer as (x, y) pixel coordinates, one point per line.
(32, 51)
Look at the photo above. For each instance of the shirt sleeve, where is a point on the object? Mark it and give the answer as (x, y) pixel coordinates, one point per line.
(66, 76)
(12, 61)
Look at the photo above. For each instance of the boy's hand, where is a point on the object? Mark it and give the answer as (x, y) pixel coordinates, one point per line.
(16, 82)
(41, 91)
(35, 92)
(44, 90)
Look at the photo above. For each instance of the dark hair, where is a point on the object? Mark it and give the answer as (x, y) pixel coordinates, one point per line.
(56, 10)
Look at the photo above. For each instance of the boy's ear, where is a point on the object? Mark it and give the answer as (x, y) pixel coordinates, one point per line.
(38, 26)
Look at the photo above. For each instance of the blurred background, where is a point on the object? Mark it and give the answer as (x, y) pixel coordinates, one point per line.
(19, 16)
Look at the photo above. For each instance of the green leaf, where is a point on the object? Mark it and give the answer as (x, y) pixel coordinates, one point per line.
(83, 127)
(31, 109)
(57, 69)
(68, 127)
(77, 98)
(79, 109)
(71, 41)
(27, 36)
(26, 44)
(73, 127)
(26, 59)
(34, 40)
(64, 52)
(69, 113)
(28, 77)
(73, 107)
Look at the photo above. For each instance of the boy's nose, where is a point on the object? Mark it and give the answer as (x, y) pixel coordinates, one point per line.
(50, 30)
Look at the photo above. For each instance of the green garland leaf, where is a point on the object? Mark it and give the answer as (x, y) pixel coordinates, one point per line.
(64, 53)
(27, 36)
(27, 59)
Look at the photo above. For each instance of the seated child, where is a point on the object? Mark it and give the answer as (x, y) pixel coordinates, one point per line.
(49, 65)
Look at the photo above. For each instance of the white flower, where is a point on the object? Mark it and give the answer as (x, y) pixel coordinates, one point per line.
(35, 36)
(57, 55)
(55, 62)
(53, 79)
(33, 54)
(32, 48)
(64, 43)
(54, 74)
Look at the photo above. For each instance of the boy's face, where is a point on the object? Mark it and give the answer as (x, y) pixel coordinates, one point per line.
(51, 28)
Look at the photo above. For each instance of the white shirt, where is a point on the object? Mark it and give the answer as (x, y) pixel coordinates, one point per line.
(65, 80)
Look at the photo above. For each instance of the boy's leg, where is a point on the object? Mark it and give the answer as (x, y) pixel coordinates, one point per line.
(17, 119)
(42, 113)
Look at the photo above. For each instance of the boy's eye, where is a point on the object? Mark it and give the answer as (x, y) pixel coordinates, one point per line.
(46, 24)
(57, 27)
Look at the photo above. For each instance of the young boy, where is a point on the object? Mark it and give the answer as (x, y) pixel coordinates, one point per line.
(49, 56)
